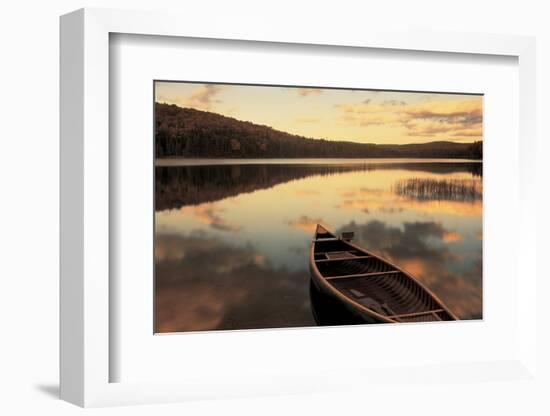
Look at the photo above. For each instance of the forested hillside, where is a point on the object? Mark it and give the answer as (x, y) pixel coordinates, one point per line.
(186, 132)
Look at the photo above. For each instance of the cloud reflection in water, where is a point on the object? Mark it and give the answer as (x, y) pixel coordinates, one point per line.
(204, 284)
(232, 242)
(422, 249)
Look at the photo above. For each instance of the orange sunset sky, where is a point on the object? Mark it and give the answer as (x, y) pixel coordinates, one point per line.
(364, 116)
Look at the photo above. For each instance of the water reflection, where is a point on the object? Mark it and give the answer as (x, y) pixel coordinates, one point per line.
(232, 242)
(430, 252)
(204, 284)
(176, 186)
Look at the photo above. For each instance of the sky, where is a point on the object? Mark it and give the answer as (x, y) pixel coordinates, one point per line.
(364, 116)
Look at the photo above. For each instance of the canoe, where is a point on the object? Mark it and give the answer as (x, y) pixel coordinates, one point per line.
(369, 287)
(327, 311)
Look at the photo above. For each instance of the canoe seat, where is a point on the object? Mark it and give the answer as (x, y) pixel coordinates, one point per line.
(339, 255)
(371, 304)
(424, 316)
(381, 308)
(325, 259)
(351, 263)
(362, 275)
(348, 236)
(402, 295)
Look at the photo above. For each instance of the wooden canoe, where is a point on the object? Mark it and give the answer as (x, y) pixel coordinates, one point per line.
(368, 286)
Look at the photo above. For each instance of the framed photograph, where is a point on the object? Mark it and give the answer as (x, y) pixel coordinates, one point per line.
(268, 214)
(259, 225)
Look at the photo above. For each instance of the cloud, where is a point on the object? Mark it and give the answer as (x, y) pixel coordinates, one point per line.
(201, 98)
(474, 132)
(304, 92)
(451, 236)
(465, 112)
(368, 114)
(306, 223)
(204, 96)
(393, 103)
(385, 201)
(389, 210)
(375, 121)
(211, 215)
(410, 241)
(427, 129)
(365, 107)
(450, 119)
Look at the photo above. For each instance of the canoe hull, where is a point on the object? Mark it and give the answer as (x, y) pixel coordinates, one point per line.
(346, 313)
(368, 287)
(330, 312)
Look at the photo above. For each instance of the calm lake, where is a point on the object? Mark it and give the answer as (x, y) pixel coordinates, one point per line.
(232, 237)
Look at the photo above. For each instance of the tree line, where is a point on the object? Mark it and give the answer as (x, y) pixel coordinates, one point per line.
(186, 132)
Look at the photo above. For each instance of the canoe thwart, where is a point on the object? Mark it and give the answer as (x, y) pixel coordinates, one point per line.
(410, 315)
(353, 276)
(348, 236)
(344, 259)
(326, 239)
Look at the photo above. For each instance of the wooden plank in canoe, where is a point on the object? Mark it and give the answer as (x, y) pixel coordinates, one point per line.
(410, 315)
(352, 276)
(344, 259)
(338, 255)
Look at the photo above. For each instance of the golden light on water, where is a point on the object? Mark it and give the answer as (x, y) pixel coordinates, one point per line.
(235, 261)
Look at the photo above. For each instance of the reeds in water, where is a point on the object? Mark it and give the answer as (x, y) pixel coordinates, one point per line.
(445, 189)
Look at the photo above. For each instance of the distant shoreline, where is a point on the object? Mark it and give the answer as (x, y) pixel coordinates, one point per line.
(191, 133)
(178, 161)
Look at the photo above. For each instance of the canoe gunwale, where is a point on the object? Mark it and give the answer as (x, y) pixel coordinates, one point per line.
(411, 276)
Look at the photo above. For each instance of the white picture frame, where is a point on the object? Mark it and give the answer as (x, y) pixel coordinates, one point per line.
(85, 220)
